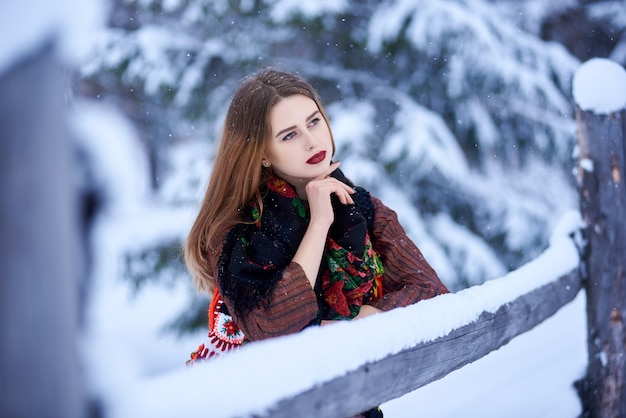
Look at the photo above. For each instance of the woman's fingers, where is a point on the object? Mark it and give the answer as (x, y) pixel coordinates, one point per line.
(319, 191)
(343, 195)
(340, 189)
(329, 186)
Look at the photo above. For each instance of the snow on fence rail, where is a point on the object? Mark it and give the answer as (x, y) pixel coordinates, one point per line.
(379, 358)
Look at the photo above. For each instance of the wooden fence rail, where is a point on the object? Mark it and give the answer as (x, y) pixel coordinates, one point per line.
(417, 366)
(466, 326)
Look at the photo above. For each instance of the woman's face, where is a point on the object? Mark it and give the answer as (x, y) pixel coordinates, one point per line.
(300, 147)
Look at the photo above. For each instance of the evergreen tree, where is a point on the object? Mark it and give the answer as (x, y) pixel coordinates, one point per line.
(453, 112)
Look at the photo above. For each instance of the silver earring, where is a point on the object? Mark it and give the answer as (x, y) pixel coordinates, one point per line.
(266, 164)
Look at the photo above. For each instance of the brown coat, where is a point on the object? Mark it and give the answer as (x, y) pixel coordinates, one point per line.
(408, 278)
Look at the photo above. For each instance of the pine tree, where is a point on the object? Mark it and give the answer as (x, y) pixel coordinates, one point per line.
(450, 111)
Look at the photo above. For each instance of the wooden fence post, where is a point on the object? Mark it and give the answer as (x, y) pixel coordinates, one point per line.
(39, 244)
(602, 177)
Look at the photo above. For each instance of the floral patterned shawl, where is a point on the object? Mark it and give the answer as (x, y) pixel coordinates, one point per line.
(256, 253)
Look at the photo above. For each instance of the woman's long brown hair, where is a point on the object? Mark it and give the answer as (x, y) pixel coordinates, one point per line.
(237, 171)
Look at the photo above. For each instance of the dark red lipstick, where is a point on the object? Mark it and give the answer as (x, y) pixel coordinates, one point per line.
(317, 158)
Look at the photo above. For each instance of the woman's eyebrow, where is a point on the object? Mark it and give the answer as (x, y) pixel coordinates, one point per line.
(313, 114)
(294, 126)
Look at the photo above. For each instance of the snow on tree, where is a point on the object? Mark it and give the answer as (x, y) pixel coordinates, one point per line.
(452, 112)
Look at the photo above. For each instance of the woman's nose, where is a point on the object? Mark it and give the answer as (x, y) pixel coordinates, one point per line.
(310, 141)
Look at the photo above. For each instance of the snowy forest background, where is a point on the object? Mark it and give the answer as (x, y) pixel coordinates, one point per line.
(457, 113)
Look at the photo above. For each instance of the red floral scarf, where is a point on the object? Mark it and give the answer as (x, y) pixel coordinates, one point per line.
(350, 275)
(256, 252)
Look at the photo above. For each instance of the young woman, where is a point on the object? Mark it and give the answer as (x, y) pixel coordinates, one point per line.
(283, 239)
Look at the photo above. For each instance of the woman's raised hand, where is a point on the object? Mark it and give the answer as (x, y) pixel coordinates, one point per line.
(319, 191)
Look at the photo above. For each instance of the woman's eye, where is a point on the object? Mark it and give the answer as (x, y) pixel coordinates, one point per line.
(314, 121)
(289, 136)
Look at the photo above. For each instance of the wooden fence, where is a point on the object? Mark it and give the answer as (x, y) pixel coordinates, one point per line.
(602, 176)
(40, 243)
(314, 374)
(414, 367)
